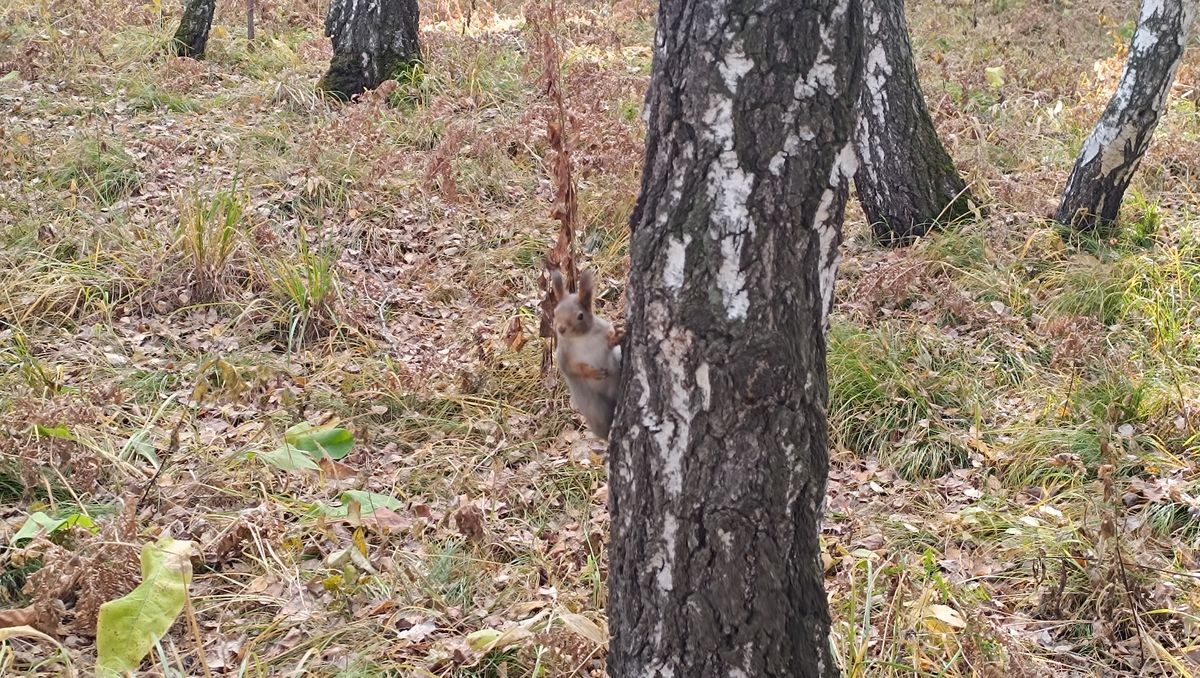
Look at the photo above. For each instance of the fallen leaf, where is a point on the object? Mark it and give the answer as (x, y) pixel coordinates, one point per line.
(469, 520)
(386, 520)
(335, 469)
(945, 615)
(584, 628)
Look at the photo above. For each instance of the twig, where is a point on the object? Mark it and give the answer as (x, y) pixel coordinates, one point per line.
(171, 450)
(199, 640)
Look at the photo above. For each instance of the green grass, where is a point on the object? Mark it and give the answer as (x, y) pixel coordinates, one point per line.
(903, 396)
(99, 168)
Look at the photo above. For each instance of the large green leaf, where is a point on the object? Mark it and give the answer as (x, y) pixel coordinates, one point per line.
(288, 458)
(368, 502)
(61, 432)
(325, 441)
(129, 627)
(40, 523)
(305, 444)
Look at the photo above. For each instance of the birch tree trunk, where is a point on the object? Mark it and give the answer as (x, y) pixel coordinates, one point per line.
(1115, 147)
(719, 457)
(906, 180)
(191, 38)
(372, 41)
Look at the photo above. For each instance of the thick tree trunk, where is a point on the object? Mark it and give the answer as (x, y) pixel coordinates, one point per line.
(192, 35)
(906, 181)
(1115, 148)
(719, 455)
(372, 41)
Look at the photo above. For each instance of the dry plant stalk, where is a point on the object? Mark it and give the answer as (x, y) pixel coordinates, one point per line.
(561, 257)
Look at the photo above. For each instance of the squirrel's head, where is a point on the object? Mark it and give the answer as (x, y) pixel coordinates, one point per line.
(573, 315)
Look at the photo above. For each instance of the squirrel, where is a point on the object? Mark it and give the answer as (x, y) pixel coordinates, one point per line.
(585, 354)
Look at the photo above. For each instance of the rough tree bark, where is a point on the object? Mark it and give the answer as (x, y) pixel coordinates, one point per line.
(372, 41)
(906, 180)
(718, 457)
(1115, 147)
(192, 35)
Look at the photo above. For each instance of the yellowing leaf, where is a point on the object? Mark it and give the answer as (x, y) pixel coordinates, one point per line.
(584, 627)
(944, 619)
(129, 627)
(288, 458)
(483, 639)
(325, 441)
(994, 76)
(24, 632)
(486, 640)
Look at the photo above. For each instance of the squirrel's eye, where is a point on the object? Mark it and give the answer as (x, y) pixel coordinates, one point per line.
(580, 317)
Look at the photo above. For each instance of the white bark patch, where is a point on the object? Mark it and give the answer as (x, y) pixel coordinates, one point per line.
(705, 387)
(729, 187)
(661, 668)
(666, 577)
(1112, 151)
(671, 426)
(878, 70)
(734, 66)
(726, 538)
(823, 73)
(776, 164)
(673, 352)
(826, 227)
(672, 275)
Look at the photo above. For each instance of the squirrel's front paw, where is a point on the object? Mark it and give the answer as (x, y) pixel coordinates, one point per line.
(615, 336)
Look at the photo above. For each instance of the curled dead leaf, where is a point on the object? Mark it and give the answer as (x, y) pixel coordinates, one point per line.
(335, 469)
(514, 336)
(387, 521)
(469, 520)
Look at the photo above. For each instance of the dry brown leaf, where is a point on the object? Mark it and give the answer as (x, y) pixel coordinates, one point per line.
(514, 336)
(387, 521)
(24, 616)
(585, 628)
(336, 469)
(469, 521)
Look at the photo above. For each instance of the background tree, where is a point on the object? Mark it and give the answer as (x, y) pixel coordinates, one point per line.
(372, 41)
(1115, 147)
(719, 455)
(191, 37)
(906, 180)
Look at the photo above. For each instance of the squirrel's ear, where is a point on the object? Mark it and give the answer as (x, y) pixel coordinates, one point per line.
(585, 289)
(556, 283)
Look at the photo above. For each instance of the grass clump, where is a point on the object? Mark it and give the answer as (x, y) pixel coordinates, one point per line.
(902, 396)
(306, 287)
(211, 240)
(99, 168)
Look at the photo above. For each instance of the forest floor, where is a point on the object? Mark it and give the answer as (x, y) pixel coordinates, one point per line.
(197, 256)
